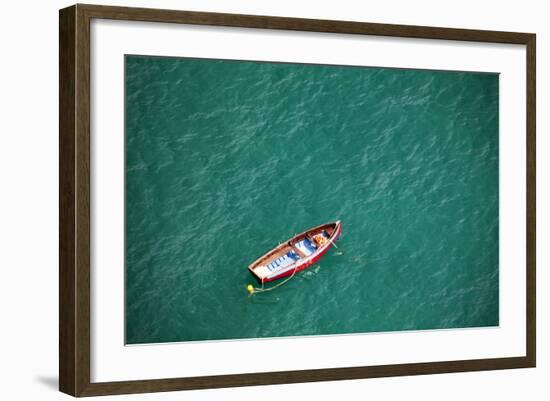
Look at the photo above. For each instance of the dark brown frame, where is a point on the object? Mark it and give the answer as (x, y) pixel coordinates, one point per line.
(74, 199)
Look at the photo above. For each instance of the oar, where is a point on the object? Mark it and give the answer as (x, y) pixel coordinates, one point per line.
(336, 246)
(332, 242)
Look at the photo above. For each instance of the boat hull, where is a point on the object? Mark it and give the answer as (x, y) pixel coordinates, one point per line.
(306, 262)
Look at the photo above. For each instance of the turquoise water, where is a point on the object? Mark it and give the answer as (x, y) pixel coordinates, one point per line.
(225, 159)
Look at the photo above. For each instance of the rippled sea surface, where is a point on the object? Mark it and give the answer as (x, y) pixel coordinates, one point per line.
(225, 159)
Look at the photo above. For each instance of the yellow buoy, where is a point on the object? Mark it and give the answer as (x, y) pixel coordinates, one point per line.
(250, 288)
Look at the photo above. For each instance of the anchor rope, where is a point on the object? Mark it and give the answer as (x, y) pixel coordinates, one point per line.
(262, 289)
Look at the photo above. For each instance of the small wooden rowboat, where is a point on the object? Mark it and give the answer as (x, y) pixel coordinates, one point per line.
(296, 254)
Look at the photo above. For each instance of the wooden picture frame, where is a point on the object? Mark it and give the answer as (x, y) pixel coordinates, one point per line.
(74, 203)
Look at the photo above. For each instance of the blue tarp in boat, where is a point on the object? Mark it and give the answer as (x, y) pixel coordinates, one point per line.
(306, 246)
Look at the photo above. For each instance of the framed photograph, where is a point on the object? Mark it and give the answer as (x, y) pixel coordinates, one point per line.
(249, 200)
